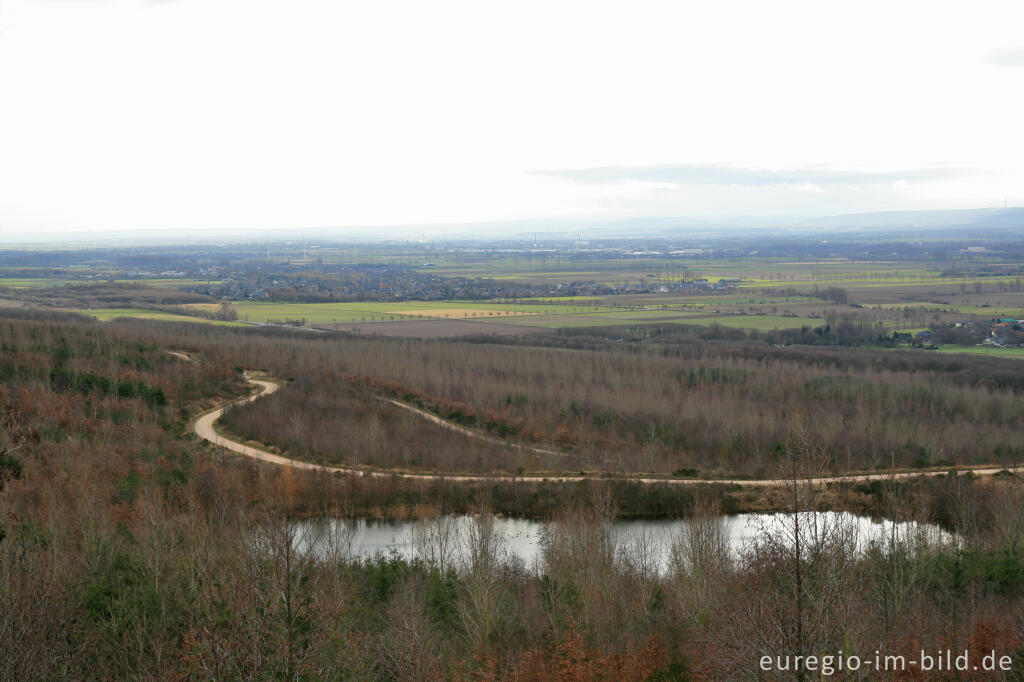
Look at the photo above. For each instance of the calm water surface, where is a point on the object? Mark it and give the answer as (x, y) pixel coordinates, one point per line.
(522, 538)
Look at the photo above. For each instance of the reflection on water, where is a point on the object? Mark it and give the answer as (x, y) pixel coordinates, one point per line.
(444, 539)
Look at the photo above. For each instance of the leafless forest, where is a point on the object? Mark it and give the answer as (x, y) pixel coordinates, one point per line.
(130, 550)
(706, 407)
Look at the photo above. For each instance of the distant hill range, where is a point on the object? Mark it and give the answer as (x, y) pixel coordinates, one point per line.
(981, 218)
(907, 223)
(898, 224)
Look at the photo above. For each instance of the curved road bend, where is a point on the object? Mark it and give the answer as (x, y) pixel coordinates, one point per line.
(204, 428)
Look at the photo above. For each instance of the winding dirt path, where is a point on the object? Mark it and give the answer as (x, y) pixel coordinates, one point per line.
(469, 432)
(204, 427)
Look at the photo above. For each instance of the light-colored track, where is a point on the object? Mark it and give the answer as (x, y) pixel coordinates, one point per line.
(469, 432)
(204, 427)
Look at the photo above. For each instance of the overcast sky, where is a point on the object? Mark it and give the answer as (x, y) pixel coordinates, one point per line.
(261, 114)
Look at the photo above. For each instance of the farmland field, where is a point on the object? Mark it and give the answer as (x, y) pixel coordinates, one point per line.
(763, 313)
(759, 322)
(39, 282)
(107, 314)
(772, 293)
(989, 351)
(326, 313)
(487, 313)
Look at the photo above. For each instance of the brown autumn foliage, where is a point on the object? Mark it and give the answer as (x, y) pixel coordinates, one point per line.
(129, 550)
(709, 410)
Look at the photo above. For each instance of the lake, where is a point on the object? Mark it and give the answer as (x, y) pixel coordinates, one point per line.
(523, 539)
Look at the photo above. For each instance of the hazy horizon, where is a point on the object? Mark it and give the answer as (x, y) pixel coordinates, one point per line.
(977, 221)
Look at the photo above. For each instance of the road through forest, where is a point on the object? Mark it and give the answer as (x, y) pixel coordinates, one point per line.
(204, 427)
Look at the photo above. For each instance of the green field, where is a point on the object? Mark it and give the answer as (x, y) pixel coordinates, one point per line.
(37, 283)
(107, 314)
(327, 313)
(990, 351)
(875, 284)
(735, 311)
(757, 322)
(985, 311)
(519, 314)
(890, 294)
(754, 271)
(526, 315)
